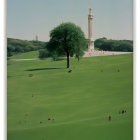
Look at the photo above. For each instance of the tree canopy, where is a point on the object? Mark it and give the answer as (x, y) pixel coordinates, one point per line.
(114, 45)
(67, 39)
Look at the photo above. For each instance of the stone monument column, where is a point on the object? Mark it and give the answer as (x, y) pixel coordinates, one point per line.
(90, 29)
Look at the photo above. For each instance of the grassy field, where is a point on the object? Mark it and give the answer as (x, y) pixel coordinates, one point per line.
(27, 55)
(79, 102)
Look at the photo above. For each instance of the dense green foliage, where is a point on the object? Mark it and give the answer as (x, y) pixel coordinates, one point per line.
(44, 53)
(15, 46)
(80, 101)
(114, 45)
(67, 39)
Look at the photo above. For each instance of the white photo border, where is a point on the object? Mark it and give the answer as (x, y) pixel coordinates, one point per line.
(136, 68)
(3, 70)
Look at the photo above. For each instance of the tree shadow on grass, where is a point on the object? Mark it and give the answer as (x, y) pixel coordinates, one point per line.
(43, 69)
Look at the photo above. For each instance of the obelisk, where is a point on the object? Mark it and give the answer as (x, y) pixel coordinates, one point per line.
(90, 29)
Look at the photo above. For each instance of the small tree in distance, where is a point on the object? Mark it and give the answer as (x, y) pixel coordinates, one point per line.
(67, 39)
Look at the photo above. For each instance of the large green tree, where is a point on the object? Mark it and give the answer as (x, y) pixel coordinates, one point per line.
(68, 40)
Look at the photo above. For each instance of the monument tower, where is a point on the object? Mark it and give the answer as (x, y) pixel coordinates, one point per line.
(90, 29)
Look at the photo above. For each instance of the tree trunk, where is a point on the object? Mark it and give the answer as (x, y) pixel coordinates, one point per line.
(67, 60)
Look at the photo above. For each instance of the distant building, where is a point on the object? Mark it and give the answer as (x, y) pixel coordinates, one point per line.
(36, 38)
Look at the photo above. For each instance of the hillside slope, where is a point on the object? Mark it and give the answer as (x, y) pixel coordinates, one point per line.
(79, 102)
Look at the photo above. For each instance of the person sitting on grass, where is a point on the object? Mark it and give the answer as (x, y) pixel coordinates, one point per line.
(49, 119)
(122, 111)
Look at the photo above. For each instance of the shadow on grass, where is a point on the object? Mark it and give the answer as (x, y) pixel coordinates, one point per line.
(43, 69)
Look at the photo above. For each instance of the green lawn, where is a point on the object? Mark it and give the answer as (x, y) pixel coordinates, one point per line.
(27, 55)
(80, 102)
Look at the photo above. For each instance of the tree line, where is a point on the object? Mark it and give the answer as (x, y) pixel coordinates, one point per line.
(15, 46)
(100, 44)
(114, 45)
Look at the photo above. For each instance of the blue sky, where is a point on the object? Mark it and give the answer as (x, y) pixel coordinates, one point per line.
(26, 18)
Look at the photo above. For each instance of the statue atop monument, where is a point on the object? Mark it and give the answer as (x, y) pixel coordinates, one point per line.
(90, 11)
(90, 29)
